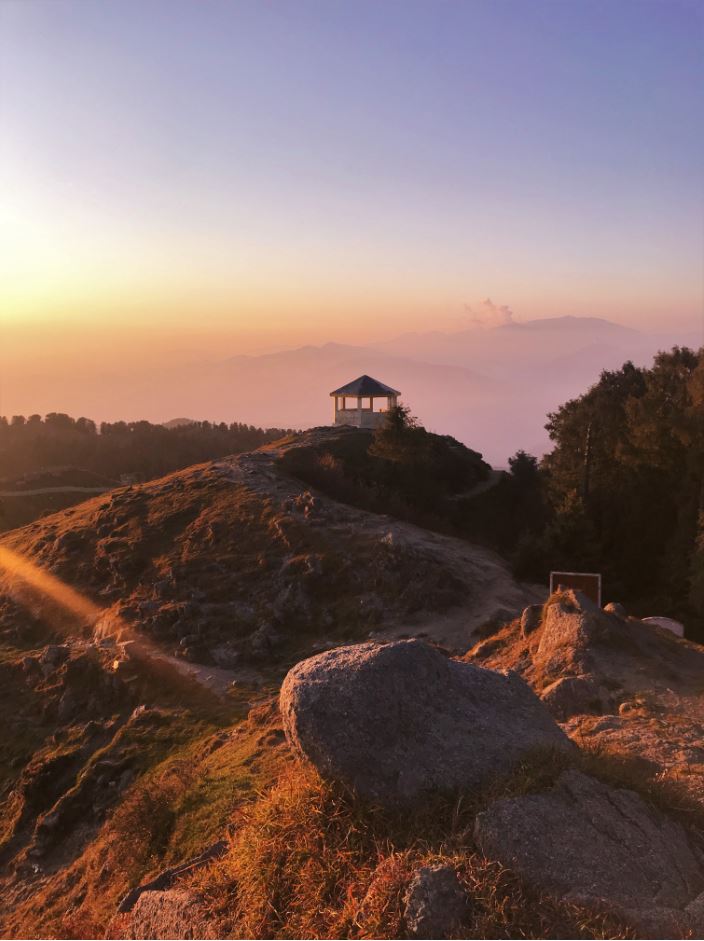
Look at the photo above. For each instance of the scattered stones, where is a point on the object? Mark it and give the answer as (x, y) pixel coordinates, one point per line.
(398, 721)
(436, 903)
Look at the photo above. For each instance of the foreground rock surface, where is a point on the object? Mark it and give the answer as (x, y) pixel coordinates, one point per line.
(397, 721)
(590, 842)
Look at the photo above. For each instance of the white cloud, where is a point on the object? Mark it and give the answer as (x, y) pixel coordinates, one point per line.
(488, 314)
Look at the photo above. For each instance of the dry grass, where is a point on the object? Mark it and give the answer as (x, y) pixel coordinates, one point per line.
(666, 792)
(307, 860)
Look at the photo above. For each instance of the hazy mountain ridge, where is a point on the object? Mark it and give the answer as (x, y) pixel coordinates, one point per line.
(477, 384)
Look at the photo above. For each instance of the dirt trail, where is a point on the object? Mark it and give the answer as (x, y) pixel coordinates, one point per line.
(136, 647)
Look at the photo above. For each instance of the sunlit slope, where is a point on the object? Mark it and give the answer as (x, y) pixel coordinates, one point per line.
(236, 561)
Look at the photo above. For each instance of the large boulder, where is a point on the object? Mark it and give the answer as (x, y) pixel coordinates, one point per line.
(397, 721)
(589, 842)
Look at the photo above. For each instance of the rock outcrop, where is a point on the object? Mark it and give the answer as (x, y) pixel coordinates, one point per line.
(401, 720)
(595, 844)
(572, 626)
(620, 686)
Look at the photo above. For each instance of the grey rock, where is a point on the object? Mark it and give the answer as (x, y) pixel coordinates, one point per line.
(226, 656)
(696, 909)
(172, 914)
(396, 721)
(504, 616)
(573, 626)
(658, 922)
(583, 839)
(436, 903)
(531, 618)
(576, 695)
(67, 707)
(264, 641)
(53, 656)
(30, 664)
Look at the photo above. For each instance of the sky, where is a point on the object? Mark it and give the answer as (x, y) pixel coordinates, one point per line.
(211, 177)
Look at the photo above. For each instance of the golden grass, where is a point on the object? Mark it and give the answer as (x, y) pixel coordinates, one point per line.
(308, 860)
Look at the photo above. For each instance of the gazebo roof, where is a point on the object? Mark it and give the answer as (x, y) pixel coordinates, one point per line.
(364, 386)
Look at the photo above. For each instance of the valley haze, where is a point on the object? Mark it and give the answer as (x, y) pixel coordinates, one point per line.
(489, 385)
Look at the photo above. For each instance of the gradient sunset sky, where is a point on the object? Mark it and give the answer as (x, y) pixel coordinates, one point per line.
(263, 173)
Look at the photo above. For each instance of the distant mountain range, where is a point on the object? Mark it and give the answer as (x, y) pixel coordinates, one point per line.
(489, 386)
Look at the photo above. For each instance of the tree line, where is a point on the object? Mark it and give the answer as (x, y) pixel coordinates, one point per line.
(30, 445)
(622, 491)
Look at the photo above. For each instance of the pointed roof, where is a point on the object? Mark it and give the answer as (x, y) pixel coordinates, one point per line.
(364, 386)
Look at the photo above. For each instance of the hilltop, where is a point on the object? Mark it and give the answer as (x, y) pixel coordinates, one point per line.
(238, 559)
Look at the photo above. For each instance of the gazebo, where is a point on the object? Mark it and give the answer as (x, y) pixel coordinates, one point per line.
(363, 388)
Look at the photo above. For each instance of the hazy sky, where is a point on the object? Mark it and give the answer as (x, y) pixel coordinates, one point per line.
(285, 171)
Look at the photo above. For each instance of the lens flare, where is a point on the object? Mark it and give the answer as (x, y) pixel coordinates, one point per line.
(32, 586)
(21, 572)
